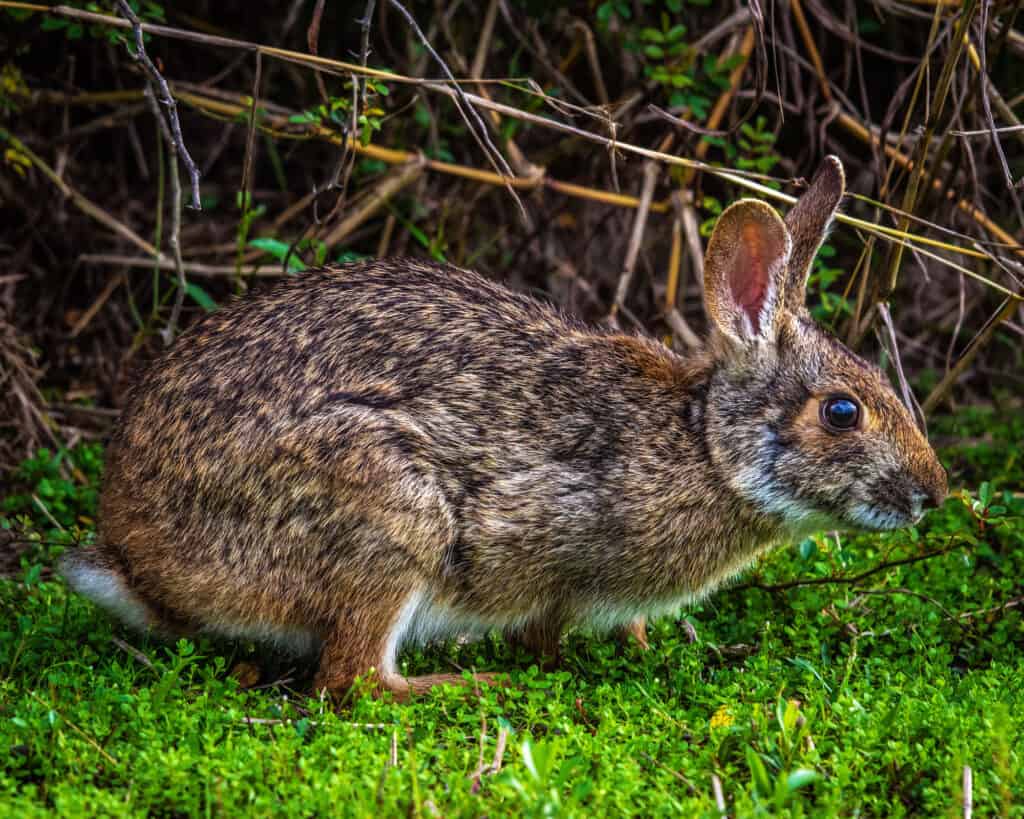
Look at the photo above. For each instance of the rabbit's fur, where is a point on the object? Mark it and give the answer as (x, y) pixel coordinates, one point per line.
(395, 451)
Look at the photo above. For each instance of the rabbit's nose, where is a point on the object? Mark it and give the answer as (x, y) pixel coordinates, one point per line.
(934, 487)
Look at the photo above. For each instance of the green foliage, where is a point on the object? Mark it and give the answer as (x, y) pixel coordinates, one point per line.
(64, 482)
(73, 29)
(827, 305)
(338, 111)
(249, 214)
(200, 297)
(280, 251)
(609, 10)
(857, 698)
(757, 146)
(13, 92)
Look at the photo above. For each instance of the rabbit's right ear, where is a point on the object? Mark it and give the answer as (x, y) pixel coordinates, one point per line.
(808, 222)
(745, 271)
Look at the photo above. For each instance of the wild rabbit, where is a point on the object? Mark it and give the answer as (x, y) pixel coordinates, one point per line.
(395, 451)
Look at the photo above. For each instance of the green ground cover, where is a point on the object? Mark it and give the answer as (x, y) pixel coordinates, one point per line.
(843, 676)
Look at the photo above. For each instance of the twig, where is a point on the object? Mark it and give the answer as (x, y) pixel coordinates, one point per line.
(157, 91)
(920, 596)
(376, 199)
(850, 124)
(477, 126)
(716, 789)
(968, 787)
(75, 728)
(673, 317)
(941, 390)
(894, 352)
(590, 49)
(250, 136)
(981, 67)
(650, 177)
(1009, 604)
(517, 159)
(94, 308)
(658, 763)
(157, 81)
(193, 268)
(133, 652)
(87, 206)
(681, 328)
(485, 769)
(499, 751)
(312, 38)
(174, 239)
(271, 721)
(851, 579)
(812, 49)
(43, 508)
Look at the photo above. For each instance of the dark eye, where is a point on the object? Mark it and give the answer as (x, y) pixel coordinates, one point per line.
(840, 412)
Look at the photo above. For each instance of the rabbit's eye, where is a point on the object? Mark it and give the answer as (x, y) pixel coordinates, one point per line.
(840, 413)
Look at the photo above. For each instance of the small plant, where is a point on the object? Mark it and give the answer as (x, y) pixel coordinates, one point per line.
(827, 306)
(988, 510)
(772, 790)
(59, 489)
(337, 111)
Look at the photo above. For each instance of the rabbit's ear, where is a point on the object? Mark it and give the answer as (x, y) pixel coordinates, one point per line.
(745, 269)
(808, 222)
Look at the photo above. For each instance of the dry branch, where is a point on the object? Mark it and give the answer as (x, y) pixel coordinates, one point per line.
(162, 94)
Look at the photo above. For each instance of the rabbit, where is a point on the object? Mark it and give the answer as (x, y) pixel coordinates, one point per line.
(390, 452)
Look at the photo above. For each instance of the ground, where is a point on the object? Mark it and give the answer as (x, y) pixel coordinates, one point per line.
(856, 675)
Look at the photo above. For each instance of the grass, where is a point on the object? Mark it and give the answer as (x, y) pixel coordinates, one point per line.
(865, 697)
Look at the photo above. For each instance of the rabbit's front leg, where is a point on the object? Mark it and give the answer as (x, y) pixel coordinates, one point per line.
(540, 636)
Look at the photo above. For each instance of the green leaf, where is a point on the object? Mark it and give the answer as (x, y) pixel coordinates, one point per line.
(985, 493)
(275, 247)
(758, 772)
(800, 778)
(808, 548)
(279, 250)
(200, 297)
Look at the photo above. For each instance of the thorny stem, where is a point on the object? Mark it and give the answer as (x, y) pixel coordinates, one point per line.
(157, 81)
(157, 94)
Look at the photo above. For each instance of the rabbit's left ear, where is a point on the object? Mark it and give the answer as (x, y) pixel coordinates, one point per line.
(745, 270)
(808, 222)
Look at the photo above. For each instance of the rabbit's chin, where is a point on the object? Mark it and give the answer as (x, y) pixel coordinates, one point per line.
(876, 518)
(801, 518)
(863, 516)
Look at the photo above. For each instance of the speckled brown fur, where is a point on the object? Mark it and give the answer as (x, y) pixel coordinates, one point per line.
(397, 450)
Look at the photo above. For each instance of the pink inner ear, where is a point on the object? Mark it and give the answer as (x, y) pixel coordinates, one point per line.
(748, 278)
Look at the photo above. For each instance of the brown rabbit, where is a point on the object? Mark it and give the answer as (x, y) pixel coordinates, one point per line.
(395, 451)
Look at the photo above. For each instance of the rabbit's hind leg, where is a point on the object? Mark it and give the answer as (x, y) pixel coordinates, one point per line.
(365, 640)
